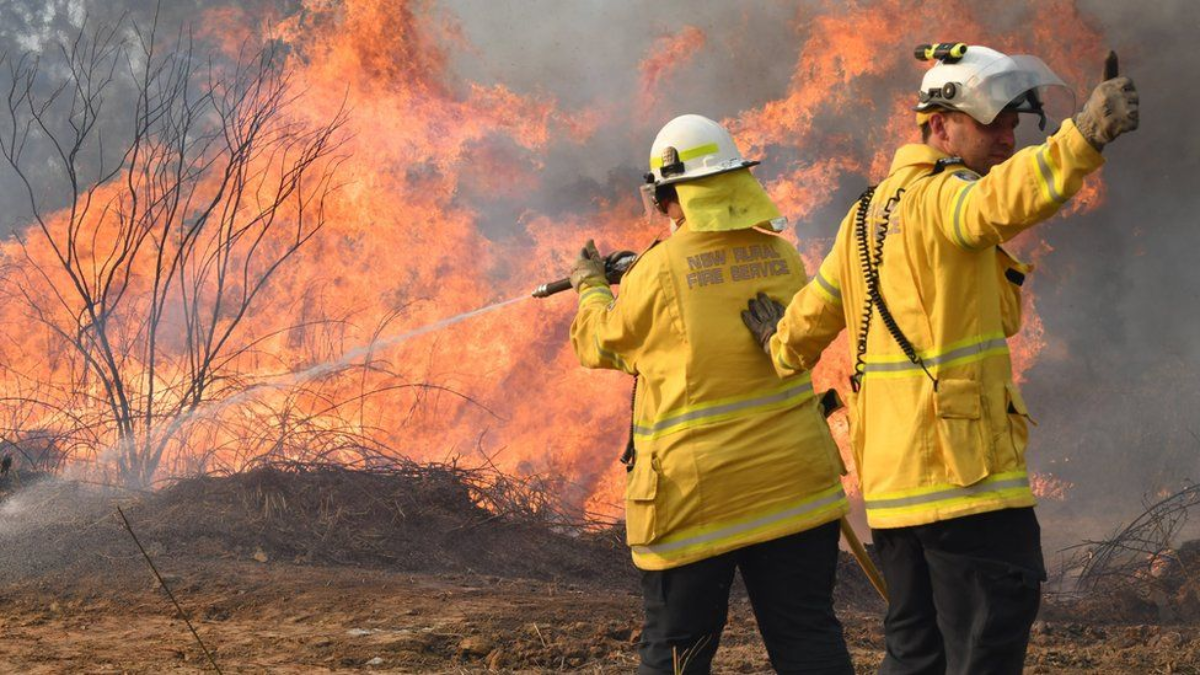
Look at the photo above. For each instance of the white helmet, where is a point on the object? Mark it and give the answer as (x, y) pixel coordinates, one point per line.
(981, 82)
(691, 147)
(687, 148)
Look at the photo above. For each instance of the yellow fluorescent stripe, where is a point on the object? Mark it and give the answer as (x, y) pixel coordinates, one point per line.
(612, 357)
(691, 153)
(940, 487)
(826, 513)
(829, 499)
(826, 296)
(1006, 494)
(643, 434)
(667, 426)
(781, 358)
(916, 371)
(1049, 175)
(1043, 186)
(605, 294)
(958, 208)
(965, 354)
(833, 288)
(594, 300)
(602, 292)
(699, 151)
(935, 352)
(801, 380)
(831, 293)
(987, 353)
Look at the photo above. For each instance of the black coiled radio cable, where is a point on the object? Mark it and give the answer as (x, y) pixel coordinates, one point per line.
(870, 260)
(630, 455)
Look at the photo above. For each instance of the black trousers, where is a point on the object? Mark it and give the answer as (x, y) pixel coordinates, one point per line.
(790, 583)
(963, 593)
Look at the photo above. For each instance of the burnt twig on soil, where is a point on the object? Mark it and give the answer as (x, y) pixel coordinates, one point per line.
(1144, 568)
(170, 595)
(1132, 554)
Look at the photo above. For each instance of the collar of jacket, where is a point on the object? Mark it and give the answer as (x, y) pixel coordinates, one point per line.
(915, 154)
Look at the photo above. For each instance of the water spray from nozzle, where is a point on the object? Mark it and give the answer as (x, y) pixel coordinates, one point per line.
(615, 266)
(212, 408)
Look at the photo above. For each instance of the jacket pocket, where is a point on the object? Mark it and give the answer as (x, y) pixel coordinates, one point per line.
(961, 433)
(641, 494)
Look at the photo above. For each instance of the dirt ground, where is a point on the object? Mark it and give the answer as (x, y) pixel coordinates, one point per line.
(78, 597)
(284, 618)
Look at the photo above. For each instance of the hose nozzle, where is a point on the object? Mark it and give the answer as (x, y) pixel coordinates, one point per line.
(615, 265)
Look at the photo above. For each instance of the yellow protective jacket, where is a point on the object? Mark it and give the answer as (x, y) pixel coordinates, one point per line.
(926, 455)
(727, 454)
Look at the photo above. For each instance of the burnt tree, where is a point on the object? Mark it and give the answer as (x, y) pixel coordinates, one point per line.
(170, 231)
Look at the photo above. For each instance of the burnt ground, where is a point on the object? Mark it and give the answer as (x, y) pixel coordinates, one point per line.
(329, 570)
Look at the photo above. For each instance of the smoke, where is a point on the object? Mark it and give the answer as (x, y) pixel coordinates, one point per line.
(818, 92)
(53, 526)
(1118, 381)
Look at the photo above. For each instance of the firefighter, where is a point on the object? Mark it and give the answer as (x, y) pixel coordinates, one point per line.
(730, 467)
(938, 426)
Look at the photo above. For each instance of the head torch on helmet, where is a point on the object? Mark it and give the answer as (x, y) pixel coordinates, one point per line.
(670, 165)
(946, 52)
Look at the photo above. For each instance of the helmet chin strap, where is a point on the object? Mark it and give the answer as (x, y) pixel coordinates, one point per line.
(676, 224)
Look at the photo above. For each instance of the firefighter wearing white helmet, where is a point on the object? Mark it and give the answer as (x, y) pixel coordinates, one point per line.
(937, 423)
(691, 147)
(729, 466)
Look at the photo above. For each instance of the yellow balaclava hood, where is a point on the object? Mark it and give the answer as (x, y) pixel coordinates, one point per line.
(727, 201)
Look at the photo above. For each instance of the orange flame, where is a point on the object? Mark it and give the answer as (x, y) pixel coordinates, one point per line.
(668, 55)
(405, 247)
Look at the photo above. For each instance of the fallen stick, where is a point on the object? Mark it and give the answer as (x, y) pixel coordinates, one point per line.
(165, 587)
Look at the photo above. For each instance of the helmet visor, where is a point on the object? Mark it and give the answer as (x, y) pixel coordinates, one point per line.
(649, 203)
(1007, 83)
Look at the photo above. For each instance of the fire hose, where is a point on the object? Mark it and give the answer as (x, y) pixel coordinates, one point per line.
(615, 266)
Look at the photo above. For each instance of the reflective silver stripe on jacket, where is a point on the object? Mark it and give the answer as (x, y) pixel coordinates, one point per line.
(949, 493)
(717, 410)
(1048, 176)
(733, 530)
(961, 352)
(958, 206)
(829, 288)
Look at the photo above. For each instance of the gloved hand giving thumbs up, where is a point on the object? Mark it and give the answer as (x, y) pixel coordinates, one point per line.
(1111, 110)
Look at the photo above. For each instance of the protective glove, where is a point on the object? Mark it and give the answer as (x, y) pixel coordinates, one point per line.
(1111, 110)
(762, 318)
(589, 268)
